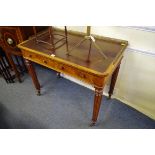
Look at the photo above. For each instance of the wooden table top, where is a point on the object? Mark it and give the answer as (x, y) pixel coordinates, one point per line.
(112, 48)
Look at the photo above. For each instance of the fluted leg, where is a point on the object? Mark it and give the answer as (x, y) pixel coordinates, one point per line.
(97, 103)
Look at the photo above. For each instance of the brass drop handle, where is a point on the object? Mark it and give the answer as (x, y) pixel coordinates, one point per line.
(44, 61)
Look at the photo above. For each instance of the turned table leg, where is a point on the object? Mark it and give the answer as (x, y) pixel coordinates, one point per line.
(33, 75)
(113, 81)
(97, 103)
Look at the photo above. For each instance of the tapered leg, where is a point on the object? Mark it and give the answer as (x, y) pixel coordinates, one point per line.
(113, 81)
(33, 75)
(97, 103)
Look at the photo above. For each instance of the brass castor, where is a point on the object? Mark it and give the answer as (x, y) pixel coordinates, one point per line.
(58, 75)
(109, 97)
(38, 93)
(92, 124)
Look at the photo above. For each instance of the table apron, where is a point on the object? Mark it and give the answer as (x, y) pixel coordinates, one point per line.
(92, 79)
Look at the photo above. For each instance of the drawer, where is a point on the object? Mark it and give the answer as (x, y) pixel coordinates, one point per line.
(29, 55)
(75, 72)
(82, 75)
(40, 59)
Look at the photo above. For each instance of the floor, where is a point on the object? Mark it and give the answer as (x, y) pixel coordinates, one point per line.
(62, 105)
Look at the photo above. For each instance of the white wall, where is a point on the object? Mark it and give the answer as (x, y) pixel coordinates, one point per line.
(135, 85)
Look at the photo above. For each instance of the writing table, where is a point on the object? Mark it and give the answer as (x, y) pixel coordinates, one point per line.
(95, 72)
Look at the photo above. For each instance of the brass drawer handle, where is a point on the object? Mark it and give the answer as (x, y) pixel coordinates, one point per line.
(62, 67)
(30, 56)
(82, 75)
(44, 61)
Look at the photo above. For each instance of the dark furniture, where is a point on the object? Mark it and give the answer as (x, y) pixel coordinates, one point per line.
(10, 36)
(4, 67)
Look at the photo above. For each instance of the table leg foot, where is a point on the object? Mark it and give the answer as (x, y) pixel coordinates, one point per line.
(58, 75)
(38, 93)
(92, 123)
(109, 97)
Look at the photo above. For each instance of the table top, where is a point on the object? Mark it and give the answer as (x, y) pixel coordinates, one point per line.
(112, 48)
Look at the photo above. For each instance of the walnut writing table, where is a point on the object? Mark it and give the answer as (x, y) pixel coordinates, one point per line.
(95, 72)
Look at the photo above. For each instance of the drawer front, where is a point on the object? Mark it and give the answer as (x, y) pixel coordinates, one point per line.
(63, 68)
